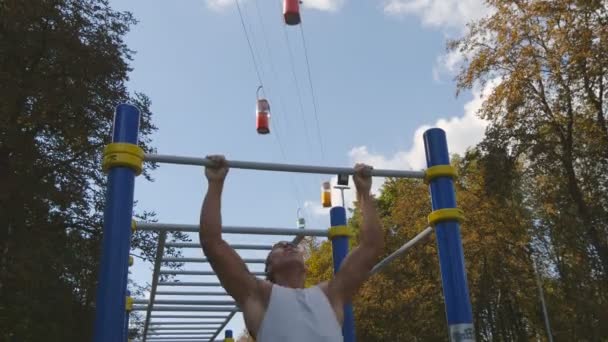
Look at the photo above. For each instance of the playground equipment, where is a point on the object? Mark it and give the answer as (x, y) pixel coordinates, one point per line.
(123, 160)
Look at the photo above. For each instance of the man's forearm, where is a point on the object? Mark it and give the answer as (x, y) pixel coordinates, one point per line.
(211, 216)
(371, 231)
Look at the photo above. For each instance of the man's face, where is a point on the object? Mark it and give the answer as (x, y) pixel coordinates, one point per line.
(284, 253)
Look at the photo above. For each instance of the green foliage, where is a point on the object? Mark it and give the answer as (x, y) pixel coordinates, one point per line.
(548, 113)
(404, 301)
(63, 69)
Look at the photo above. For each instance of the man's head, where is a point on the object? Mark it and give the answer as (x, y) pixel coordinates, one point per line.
(284, 257)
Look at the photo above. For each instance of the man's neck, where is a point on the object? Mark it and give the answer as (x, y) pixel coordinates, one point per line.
(294, 279)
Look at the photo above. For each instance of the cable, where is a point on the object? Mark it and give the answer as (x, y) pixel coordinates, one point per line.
(257, 70)
(312, 92)
(295, 81)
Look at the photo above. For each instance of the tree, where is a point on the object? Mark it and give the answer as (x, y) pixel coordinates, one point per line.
(404, 301)
(63, 69)
(548, 112)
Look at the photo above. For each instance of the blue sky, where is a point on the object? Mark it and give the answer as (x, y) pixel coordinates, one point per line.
(380, 77)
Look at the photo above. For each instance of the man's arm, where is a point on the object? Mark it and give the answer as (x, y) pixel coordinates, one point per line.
(227, 264)
(356, 266)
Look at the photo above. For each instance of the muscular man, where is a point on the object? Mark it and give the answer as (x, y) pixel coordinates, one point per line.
(280, 308)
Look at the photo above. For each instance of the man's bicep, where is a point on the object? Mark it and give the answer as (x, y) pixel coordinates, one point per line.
(353, 272)
(231, 270)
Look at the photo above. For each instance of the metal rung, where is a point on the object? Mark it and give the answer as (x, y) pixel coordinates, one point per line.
(235, 246)
(187, 308)
(202, 273)
(202, 260)
(190, 293)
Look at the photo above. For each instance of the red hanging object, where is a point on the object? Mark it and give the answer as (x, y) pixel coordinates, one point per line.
(291, 12)
(262, 122)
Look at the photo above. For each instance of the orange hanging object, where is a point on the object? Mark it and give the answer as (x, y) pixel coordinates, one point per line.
(291, 12)
(262, 121)
(326, 195)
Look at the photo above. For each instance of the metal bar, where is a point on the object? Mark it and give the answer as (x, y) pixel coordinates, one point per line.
(186, 308)
(541, 294)
(190, 293)
(184, 302)
(187, 323)
(458, 309)
(187, 283)
(184, 329)
(168, 339)
(160, 250)
(178, 338)
(235, 246)
(203, 260)
(426, 232)
(219, 330)
(192, 334)
(118, 212)
(328, 170)
(201, 273)
(194, 228)
(189, 316)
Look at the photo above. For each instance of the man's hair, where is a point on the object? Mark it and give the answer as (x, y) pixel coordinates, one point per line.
(267, 266)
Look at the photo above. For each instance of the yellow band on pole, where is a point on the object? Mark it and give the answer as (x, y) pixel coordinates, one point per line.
(123, 154)
(131, 260)
(129, 304)
(439, 171)
(446, 214)
(133, 226)
(336, 231)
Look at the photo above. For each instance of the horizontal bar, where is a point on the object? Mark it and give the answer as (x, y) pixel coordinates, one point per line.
(194, 228)
(179, 338)
(328, 170)
(202, 260)
(201, 273)
(169, 339)
(235, 246)
(184, 302)
(187, 283)
(190, 316)
(401, 250)
(184, 328)
(188, 336)
(187, 323)
(187, 308)
(190, 293)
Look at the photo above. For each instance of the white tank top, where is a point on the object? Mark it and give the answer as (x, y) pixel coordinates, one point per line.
(299, 315)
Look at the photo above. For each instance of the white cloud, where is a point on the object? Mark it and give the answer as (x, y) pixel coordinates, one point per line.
(449, 16)
(446, 14)
(462, 132)
(219, 5)
(324, 5)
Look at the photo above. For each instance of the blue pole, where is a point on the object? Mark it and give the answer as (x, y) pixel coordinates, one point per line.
(228, 336)
(340, 246)
(111, 288)
(451, 257)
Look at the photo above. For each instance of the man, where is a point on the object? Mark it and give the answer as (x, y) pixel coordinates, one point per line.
(280, 308)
